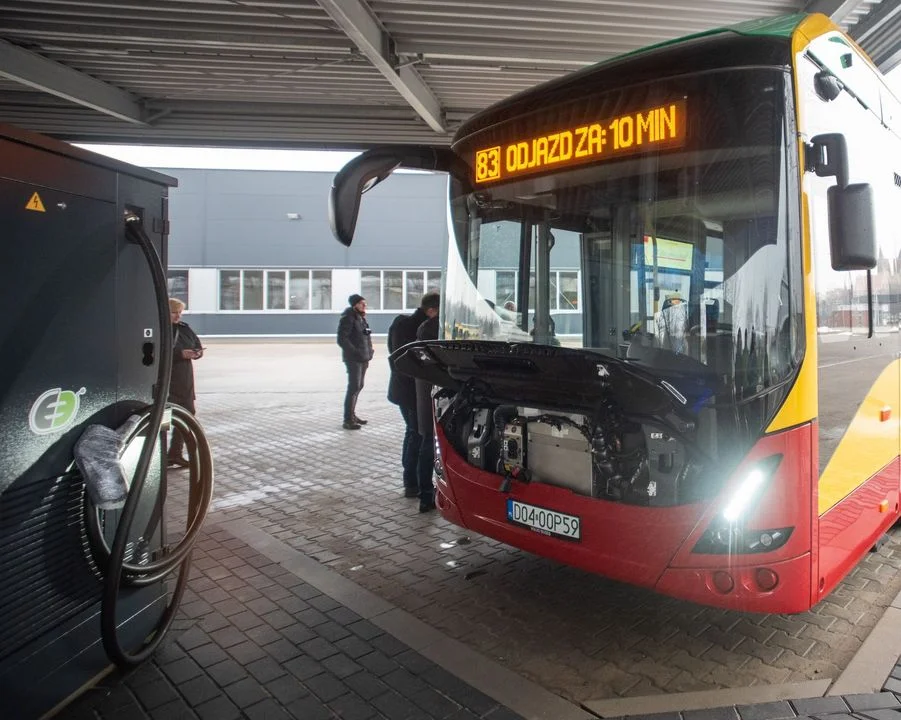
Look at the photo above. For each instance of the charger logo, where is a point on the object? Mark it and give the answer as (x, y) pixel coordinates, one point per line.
(54, 411)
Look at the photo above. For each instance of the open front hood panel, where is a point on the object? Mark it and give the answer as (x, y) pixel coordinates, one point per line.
(570, 379)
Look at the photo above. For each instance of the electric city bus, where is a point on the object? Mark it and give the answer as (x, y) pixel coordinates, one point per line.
(670, 315)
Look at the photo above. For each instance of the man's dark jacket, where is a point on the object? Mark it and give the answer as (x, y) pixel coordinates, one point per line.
(429, 330)
(401, 387)
(354, 337)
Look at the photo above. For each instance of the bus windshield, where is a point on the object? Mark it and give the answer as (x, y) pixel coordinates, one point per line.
(677, 259)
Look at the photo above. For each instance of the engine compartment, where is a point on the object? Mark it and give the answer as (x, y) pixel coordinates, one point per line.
(599, 426)
(605, 454)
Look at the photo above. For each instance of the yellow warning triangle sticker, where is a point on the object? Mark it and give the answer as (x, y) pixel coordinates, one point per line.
(35, 204)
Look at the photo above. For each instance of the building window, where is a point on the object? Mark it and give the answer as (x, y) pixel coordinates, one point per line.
(393, 297)
(564, 289)
(321, 290)
(371, 288)
(299, 290)
(397, 289)
(253, 290)
(259, 290)
(276, 294)
(505, 288)
(567, 290)
(177, 282)
(229, 289)
(414, 287)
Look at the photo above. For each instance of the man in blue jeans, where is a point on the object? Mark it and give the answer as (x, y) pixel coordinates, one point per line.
(402, 388)
(425, 463)
(355, 339)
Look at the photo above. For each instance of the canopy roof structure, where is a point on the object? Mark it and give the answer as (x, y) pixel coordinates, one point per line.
(333, 73)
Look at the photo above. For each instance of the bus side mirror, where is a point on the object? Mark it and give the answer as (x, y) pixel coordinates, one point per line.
(852, 227)
(367, 170)
(852, 218)
(359, 175)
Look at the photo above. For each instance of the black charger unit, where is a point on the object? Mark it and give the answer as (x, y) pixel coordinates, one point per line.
(80, 338)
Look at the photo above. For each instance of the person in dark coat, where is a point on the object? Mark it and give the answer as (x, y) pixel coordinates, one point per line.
(425, 464)
(355, 339)
(186, 348)
(402, 388)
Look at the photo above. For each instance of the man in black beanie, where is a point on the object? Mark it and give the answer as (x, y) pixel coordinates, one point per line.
(355, 339)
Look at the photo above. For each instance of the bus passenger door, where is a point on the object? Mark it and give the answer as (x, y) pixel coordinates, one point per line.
(857, 312)
(597, 274)
(606, 283)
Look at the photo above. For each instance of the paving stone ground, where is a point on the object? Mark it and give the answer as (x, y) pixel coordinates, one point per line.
(283, 464)
(254, 641)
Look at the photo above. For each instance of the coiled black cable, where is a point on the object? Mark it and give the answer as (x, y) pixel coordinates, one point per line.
(115, 570)
(200, 484)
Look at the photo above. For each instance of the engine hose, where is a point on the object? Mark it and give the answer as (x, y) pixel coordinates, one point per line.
(115, 567)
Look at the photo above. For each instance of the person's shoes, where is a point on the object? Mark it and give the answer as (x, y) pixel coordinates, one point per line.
(411, 493)
(351, 426)
(177, 462)
(360, 421)
(425, 507)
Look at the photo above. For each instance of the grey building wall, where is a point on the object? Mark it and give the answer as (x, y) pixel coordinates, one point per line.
(240, 219)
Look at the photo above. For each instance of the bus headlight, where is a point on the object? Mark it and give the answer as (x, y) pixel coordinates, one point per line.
(439, 467)
(745, 496)
(747, 493)
(733, 540)
(727, 533)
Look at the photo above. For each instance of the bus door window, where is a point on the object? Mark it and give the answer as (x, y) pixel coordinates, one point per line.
(844, 297)
(606, 285)
(544, 241)
(595, 250)
(857, 312)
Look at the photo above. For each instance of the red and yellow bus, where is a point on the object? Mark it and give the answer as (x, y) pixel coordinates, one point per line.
(680, 274)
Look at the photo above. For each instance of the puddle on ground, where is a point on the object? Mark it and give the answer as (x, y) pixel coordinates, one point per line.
(453, 543)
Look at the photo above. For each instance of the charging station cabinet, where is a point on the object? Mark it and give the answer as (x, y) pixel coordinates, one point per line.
(79, 342)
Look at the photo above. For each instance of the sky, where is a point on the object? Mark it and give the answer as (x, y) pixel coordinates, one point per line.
(154, 156)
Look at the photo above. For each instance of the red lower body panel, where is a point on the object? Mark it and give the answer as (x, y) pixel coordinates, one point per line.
(852, 526)
(655, 547)
(628, 543)
(652, 546)
(739, 587)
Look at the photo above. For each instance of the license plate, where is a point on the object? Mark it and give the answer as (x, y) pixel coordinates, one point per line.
(547, 522)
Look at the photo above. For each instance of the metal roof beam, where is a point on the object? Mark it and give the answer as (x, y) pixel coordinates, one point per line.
(879, 33)
(201, 38)
(883, 17)
(359, 24)
(36, 71)
(890, 58)
(838, 10)
(504, 53)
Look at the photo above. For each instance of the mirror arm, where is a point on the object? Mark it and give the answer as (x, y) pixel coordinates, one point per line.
(871, 323)
(830, 157)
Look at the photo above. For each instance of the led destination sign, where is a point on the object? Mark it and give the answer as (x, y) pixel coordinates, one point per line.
(662, 126)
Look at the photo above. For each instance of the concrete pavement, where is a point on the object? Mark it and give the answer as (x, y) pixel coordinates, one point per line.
(301, 503)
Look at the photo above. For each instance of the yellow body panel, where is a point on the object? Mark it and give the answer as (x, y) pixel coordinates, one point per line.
(868, 444)
(801, 404)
